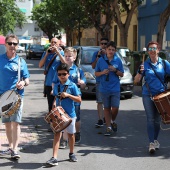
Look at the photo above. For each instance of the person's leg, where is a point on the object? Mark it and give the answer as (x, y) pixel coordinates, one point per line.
(150, 110)
(78, 124)
(16, 130)
(50, 99)
(8, 129)
(99, 107)
(56, 142)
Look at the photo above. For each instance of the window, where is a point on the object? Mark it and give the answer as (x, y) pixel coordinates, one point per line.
(142, 42)
(153, 1)
(143, 3)
(36, 29)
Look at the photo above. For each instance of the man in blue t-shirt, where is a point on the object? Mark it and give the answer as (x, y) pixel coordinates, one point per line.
(96, 56)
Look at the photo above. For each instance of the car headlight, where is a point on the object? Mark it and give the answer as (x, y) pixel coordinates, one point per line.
(89, 76)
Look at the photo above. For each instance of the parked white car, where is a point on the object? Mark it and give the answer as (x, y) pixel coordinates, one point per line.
(20, 49)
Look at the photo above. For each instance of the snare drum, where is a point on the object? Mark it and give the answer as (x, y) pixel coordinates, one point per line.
(162, 102)
(58, 119)
(10, 102)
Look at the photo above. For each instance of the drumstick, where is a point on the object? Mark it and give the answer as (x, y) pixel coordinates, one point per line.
(143, 57)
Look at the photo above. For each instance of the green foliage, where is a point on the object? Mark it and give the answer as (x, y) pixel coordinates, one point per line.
(10, 16)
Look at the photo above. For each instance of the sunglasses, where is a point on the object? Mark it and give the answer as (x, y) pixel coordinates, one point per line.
(103, 43)
(10, 43)
(152, 48)
(62, 74)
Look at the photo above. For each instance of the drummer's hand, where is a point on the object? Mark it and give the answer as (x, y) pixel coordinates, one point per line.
(64, 95)
(20, 85)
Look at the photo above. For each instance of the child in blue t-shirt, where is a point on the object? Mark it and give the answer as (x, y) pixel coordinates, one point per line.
(71, 95)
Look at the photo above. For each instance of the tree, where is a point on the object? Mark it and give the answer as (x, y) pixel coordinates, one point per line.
(164, 17)
(46, 18)
(10, 16)
(112, 10)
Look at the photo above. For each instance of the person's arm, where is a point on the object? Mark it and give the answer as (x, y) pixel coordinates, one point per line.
(139, 76)
(43, 60)
(100, 73)
(72, 97)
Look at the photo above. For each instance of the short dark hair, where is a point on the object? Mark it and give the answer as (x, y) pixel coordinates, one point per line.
(104, 38)
(63, 66)
(111, 43)
(11, 36)
(153, 42)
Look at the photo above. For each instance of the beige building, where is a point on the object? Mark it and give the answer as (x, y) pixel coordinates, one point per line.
(90, 37)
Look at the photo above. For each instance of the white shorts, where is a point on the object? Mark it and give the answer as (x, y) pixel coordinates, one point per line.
(71, 129)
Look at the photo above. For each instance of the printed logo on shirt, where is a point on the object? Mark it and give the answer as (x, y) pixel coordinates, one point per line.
(15, 67)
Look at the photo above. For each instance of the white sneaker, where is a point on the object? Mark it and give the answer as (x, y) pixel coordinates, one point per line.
(157, 144)
(6, 152)
(151, 148)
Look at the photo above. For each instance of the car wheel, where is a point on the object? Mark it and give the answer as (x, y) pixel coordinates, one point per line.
(128, 96)
(20, 51)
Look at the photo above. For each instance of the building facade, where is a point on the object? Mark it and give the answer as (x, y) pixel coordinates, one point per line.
(30, 32)
(148, 20)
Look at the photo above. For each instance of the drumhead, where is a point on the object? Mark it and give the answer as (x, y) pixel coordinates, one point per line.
(7, 100)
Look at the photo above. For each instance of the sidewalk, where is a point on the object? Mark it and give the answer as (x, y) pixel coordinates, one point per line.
(27, 137)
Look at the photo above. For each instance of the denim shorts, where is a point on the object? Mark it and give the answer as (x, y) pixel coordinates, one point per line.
(71, 129)
(15, 117)
(77, 110)
(98, 94)
(111, 99)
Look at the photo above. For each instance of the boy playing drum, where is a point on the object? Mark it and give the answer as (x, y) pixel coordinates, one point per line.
(66, 100)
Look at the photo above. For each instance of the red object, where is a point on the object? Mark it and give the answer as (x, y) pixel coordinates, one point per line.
(2, 39)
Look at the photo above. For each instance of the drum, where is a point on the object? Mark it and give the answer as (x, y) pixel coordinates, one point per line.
(162, 102)
(58, 119)
(10, 102)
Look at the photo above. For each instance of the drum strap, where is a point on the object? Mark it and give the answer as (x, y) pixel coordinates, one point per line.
(59, 93)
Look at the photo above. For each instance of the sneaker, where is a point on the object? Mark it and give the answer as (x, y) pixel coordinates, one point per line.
(99, 123)
(15, 155)
(157, 144)
(6, 152)
(52, 162)
(108, 132)
(72, 158)
(77, 137)
(151, 148)
(63, 144)
(114, 127)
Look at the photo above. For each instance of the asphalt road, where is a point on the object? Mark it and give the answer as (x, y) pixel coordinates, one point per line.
(125, 150)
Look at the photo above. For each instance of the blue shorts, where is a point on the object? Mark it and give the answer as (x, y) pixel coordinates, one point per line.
(77, 110)
(15, 117)
(111, 99)
(98, 94)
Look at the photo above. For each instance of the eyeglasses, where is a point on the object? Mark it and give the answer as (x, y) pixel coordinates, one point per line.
(10, 43)
(62, 74)
(54, 42)
(103, 43)
(152, 48)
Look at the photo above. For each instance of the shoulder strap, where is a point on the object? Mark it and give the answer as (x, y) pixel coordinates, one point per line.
(50, 63)
(19, 69)
(59, 93)
(157, 75)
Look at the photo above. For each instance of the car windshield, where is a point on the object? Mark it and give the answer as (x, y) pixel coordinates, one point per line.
(38, 47)
(88, 54)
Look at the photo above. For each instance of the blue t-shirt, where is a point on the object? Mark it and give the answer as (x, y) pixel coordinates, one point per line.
(155, 85)
(53, 67)
(113, 85)
(67, 103)
(75, 73)
(9, 73)
(93, 59)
